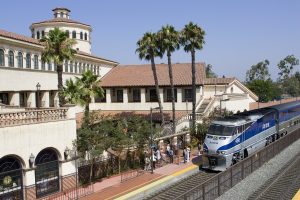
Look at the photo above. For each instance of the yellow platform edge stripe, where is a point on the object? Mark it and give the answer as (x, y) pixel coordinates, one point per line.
(297, 196)
(158, 182)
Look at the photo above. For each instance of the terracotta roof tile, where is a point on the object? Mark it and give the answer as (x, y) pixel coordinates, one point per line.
(92, 56)
(19, 37)
(141, 75)
(24, 38)
(59, 19)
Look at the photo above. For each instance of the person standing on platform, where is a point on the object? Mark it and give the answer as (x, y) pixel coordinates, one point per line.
(171, 154)
(184, 154)
(188, 150)
(199, 148)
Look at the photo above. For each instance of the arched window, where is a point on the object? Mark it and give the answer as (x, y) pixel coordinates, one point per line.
(85, 36)
(2, 57)
(75, 67)
(46, 173)
(231, 89)
(81, 35)
(74, 34)
(11, 59)
(83, 68)
(28, 60)
(20, 59)
(43, 65)
(71, 67)
(67, 33)
(61, 14)
(36, 61)
(38, 35)
(50, 66)
(11, 182)
(80, 69)
(66, 66)
(43, 34)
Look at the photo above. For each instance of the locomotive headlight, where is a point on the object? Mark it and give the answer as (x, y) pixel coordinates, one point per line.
(221, 152)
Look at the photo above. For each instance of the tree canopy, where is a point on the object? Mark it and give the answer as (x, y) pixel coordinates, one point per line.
(258, 71)
(58, 48)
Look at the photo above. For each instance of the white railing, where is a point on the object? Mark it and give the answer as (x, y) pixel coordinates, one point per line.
(32, 116)
(209, 106)
(198, 104)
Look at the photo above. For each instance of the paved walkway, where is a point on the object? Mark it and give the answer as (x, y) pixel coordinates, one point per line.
(113, 188)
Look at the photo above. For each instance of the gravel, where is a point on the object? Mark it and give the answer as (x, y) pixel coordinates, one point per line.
(246, 187)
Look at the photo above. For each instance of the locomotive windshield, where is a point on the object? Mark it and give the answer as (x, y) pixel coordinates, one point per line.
(217, 129)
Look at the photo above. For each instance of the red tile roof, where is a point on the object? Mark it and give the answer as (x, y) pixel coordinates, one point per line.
(19, 37)
(141, 75)
(60, 19)
(61, 8)
(24, 38)
(92, 56)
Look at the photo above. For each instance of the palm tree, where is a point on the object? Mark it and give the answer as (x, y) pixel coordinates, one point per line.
(58, 47)
(148, 49)
(70, 91)
(192, 39)
(83, 90)
(168, 43)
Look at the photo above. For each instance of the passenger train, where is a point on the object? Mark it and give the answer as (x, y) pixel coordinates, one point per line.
(234, 138)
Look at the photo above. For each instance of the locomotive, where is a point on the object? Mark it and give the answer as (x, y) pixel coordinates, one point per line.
(236, 137)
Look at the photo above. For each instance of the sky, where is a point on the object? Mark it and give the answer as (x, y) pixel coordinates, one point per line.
(239, 33)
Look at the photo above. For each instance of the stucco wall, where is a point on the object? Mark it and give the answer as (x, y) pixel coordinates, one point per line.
(32, 138)
(82, 45)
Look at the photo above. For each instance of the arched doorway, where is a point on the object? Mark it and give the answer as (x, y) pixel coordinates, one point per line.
(11, 178)
(46, 173)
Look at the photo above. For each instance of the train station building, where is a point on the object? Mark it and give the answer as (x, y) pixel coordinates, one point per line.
(36, 154)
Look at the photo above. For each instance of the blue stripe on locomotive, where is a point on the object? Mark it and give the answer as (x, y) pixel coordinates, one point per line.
(252, 131)
(285, 112)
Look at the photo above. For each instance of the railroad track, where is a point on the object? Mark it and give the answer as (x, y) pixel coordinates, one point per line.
(182, 186)
(283, 185)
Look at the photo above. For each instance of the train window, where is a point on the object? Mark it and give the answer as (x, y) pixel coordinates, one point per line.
(240, 129)
(221, 130)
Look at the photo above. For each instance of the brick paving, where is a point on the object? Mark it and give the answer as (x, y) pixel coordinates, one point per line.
(112, 188)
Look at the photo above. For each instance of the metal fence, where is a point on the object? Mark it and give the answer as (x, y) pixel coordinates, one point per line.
(131, 174)
(219, 184)
(72, 194)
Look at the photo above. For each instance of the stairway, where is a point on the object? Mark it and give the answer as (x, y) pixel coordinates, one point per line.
(204, 105)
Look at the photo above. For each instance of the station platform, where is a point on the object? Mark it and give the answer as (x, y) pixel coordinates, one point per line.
(297, 195)
(113, 188)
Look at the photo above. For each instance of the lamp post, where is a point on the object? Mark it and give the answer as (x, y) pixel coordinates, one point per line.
(151, 137)
(38, 87)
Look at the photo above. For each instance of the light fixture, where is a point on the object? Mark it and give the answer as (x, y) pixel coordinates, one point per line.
(66, 153)
(38, 86)
(31, 160)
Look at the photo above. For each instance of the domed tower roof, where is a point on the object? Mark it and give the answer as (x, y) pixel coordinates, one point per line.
(78, 31)
(61, 15)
